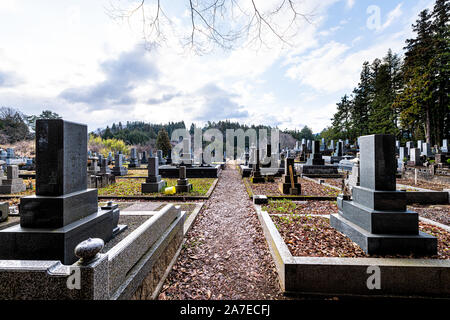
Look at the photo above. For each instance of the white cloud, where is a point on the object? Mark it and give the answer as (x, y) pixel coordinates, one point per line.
(391, 17)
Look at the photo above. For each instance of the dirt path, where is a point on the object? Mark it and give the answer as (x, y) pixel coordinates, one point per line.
(225, 255)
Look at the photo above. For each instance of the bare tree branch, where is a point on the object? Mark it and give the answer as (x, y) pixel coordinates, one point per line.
(221, 23)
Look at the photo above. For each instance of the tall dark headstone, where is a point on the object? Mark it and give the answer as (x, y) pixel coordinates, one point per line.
(144, 159)
(63, 212)
(377, 219)
(256, 176)
(315, 158)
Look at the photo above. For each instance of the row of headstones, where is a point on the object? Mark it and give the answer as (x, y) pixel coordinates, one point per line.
(7, 154)
(306, 145)
(154, 183)
(415, 155)
(134, 158)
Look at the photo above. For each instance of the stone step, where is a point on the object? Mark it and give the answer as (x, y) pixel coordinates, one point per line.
(420, 244)
(379, 222)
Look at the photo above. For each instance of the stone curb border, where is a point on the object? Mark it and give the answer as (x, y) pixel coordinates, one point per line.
(190, 220)
(349, 276)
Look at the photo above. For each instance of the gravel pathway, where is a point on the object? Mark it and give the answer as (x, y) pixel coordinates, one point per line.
(225, 255)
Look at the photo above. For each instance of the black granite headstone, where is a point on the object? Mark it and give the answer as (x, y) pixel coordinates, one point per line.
(61, 157)
(63, 212)
(377, 218)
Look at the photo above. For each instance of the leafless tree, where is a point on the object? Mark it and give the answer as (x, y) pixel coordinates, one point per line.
(217, 23)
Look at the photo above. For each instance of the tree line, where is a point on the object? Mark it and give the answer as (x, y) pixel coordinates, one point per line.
(407, 97)
(16, 126)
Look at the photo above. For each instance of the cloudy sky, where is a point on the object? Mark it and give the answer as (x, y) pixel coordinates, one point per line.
(73, 58)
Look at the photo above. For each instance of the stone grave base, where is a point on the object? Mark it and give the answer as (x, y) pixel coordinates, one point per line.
(54, 244)
(153, 187)
(285, 188)
(122, 171)
(134, 268)
(421, 244)
(257, 179)
(183, 188)
(169, 171)
(246, 171)
(12, 186)
(322, 171)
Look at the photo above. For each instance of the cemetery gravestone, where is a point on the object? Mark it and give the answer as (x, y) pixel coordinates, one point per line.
(153, 182)
(339, 149)
(256, 176)
(315, 159)
(12, 184)
(134, 161)
(377, 218)
(414, 157)
(119, 169)
(426, 150)
(161, 160)
(63, 212)
(288, 185)
(144, 159)
(183, 184)
(4, 211)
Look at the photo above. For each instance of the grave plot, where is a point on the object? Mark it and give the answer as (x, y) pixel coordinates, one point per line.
(308, 189)
(290, 208)
(437, 213)
(336, 254)
(423, 184)
(333, 182)
(313, 236)
(201, 187)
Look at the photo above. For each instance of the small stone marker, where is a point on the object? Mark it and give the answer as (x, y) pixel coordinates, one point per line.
(256, 176)
(285, 186)
(183, 184)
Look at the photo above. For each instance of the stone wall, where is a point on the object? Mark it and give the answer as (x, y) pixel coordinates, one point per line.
(428, 175)
(146, 291)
